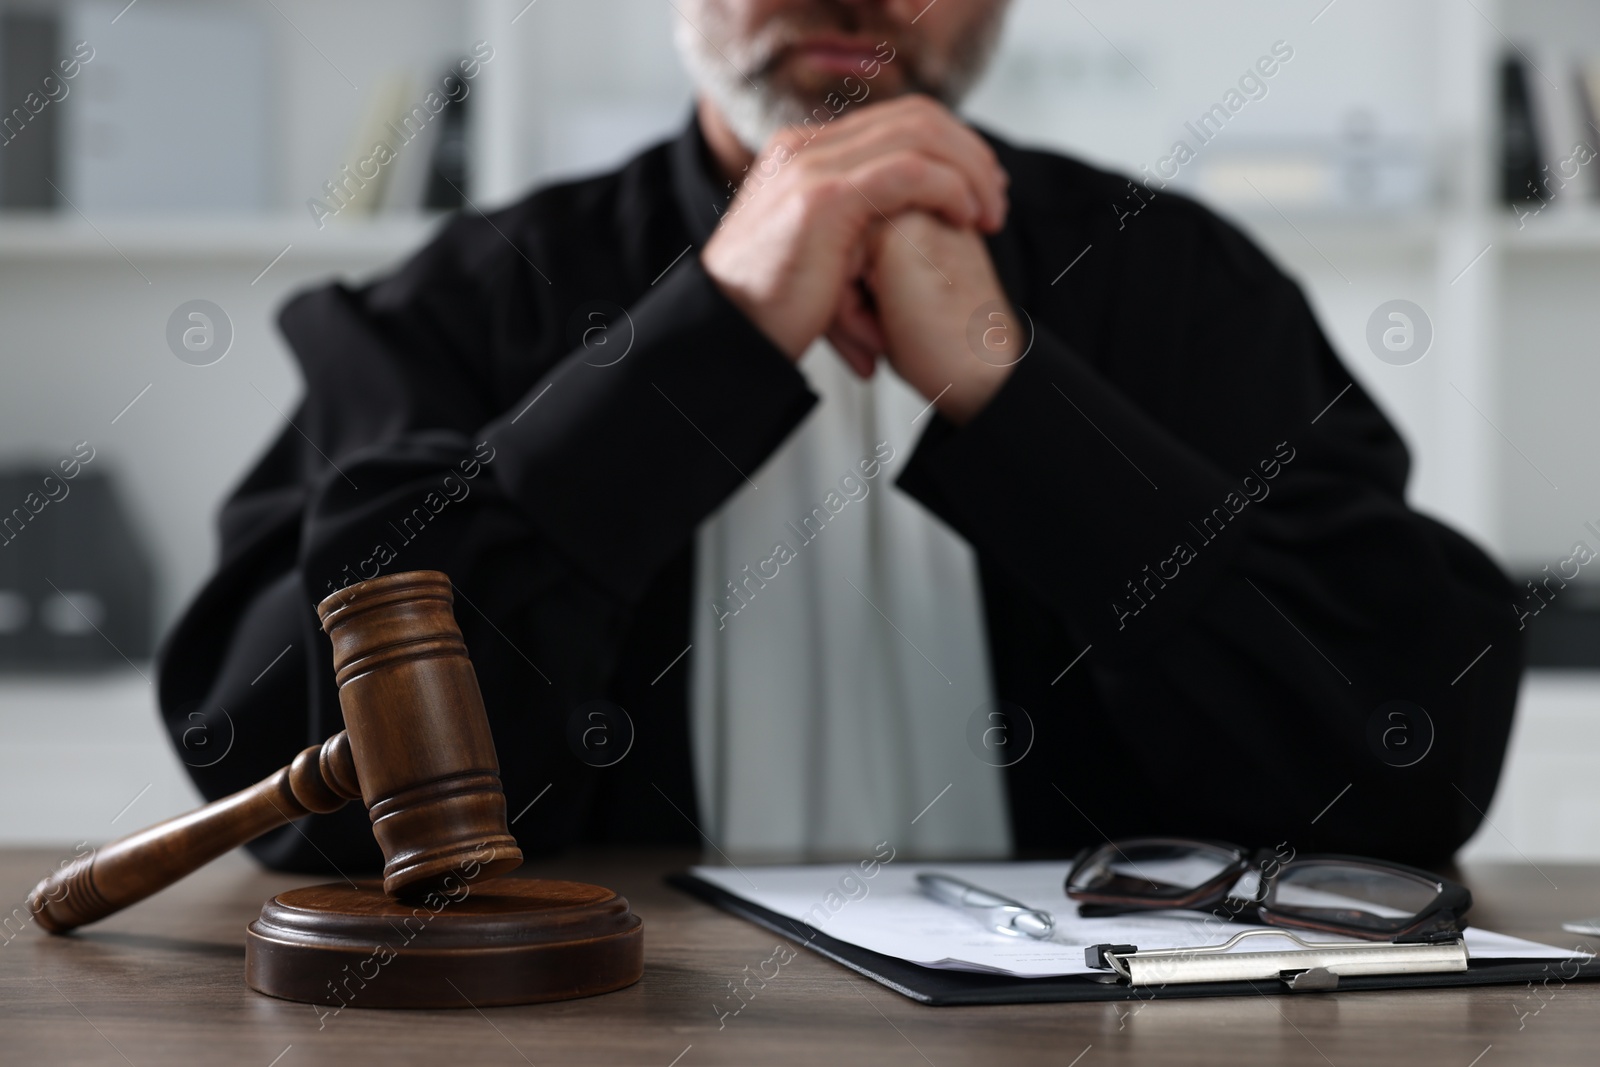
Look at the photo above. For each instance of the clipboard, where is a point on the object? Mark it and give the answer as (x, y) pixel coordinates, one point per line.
(938, 987)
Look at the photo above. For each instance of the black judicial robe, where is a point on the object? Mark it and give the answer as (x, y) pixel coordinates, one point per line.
(1245, 633)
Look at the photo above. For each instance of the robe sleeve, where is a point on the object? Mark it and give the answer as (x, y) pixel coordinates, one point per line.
(1220, 518)
(552, 508)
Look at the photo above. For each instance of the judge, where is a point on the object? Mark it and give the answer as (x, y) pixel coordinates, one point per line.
(836, 473)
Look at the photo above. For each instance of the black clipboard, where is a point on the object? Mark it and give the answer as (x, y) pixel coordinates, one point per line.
(941, 988)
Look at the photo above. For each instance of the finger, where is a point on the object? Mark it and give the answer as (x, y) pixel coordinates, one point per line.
(855, 331)
(856, 319)
(856, 266)
(889, 185)
(910, 121)
(915, 124)
(989, 194)
(857, 358)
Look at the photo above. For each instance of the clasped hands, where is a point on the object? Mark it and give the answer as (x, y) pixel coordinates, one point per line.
(871, 232)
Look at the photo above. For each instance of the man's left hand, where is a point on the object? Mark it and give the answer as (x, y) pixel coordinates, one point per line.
(947, 326)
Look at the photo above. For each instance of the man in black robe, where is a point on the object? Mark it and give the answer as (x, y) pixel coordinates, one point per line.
(1179, 482)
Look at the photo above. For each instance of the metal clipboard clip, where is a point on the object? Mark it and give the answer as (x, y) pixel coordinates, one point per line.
(1314, 965)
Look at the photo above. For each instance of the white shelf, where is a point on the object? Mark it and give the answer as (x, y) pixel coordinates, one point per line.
(1543, 810)
(47, 237)
(57, 237)
(1367, 235)
(86, 757)
(1556, 229)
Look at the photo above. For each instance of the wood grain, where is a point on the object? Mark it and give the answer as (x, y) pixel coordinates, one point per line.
(129, 869)
(505, 941)
(419, 734)
(416, 737)
(163, 983)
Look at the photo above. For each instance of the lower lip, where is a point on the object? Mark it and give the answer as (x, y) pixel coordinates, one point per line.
(835, 60)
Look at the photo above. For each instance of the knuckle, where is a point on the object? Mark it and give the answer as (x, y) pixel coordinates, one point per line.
(923, 125)
(821, 193)
(928, 108)
(780, 149)
(909, 166)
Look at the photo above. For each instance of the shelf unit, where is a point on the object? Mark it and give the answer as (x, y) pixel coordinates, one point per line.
(541, 96)
(1507, 389)
(1467, 261)
(214, 240)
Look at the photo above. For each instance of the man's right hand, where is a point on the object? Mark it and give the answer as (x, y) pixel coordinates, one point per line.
(791, 248)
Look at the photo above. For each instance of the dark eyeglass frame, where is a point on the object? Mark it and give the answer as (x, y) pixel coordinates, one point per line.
(1438, 921)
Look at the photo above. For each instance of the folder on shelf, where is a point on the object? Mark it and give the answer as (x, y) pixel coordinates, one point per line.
(871, 918)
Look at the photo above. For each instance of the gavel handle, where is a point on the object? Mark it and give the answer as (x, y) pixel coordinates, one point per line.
(321, 779)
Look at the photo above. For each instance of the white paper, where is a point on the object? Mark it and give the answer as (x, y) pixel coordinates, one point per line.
(883, 911)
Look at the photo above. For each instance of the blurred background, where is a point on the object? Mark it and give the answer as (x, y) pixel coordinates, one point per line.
(162, 163)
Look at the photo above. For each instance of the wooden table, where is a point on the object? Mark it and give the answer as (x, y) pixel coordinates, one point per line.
(162, 983)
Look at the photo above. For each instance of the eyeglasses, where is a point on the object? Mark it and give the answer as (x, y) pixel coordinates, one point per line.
(1370, 899)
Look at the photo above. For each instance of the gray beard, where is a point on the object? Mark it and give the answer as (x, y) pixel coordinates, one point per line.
(755, 110)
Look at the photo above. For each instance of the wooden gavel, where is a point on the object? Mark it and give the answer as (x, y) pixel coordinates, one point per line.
(416, 749)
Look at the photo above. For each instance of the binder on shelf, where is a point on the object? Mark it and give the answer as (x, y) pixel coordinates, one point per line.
(173, 113)
(30, 127)
(76, 584)
(1521, 145)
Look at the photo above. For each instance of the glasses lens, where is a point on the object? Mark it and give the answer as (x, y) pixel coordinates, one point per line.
(1151, 869)
(1350, 895)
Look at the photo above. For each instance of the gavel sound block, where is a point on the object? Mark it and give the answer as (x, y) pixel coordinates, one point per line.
(442, 929)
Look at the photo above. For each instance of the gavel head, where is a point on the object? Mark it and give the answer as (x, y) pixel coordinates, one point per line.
(418, 733)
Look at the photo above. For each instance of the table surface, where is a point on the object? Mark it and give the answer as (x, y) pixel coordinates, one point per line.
(162, 983)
